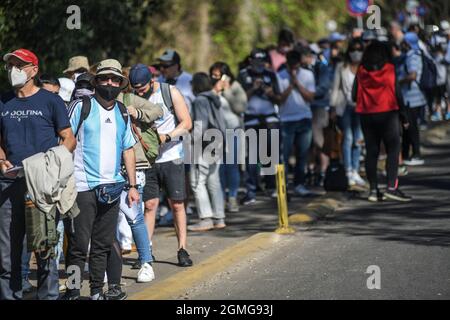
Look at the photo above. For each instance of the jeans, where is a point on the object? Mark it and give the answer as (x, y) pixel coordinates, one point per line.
(252, 170)
(12, 234)
(300, 134)
(230, 176)
(205, 184)
(138, 226)
(96, 223)
(26, 257)
(350, 125)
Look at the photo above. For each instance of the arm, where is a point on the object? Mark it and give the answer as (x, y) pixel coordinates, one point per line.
(182, 114)
(143, 110)
(409, 78)
(4, 164)
(307, 95)
(284, 95)
(200, 114)
(68, 139)
(401, 104)
(130, 164)
(237, 98)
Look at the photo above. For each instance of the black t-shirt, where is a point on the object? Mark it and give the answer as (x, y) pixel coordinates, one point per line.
(31, 125)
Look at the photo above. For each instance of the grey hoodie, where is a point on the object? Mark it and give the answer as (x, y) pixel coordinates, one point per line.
(207, 109)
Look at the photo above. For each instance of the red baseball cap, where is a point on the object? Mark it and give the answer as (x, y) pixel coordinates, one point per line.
(24, 55)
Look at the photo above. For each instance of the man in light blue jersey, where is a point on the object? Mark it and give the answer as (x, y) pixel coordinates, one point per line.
(104, 136)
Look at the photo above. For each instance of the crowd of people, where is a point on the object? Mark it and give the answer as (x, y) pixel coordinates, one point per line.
(100, 151)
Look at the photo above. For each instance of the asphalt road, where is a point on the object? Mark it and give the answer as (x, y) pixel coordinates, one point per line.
(410, 243)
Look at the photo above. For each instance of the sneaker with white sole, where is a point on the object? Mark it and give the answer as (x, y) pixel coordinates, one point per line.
(397, 195)
(146, 273)
(358, 180)
(233, 205)
(219, 223)
(301, 191)
(351, 180)
(203, 225)
(416, 161)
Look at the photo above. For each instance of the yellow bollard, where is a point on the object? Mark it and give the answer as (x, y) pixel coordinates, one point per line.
(283, 221)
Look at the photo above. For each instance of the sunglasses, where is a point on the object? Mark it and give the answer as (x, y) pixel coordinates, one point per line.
(106, 78)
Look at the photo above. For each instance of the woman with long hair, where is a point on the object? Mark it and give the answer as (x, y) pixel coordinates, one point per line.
(379, 103)
(344, 107)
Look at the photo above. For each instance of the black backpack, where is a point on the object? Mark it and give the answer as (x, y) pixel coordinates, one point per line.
(335, 177)
(86, 109)
(428, 80)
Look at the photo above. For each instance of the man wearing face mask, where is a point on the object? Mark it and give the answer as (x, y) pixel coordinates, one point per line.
(104, 138)
(83, 86)
(261, 86)
(32, 120)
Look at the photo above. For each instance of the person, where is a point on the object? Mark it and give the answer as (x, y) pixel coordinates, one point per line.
(320, 111)
(440, 92)
(379, 103)
(77, 66)
(168, 172)
(263, 93)
(234, 104)
(344, 108)
(49, 83)
(368, 36)
(83, 86)
(414, 98)
(104, 138)
(67, 86)
(205, 179)
(286, 40)
(173, 74)
(396, 32)
(32, 120)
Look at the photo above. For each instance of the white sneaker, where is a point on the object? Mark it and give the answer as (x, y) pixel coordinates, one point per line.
(301, 190)
(358, 180)
(414, 162)
(351, 180)
(146, 273)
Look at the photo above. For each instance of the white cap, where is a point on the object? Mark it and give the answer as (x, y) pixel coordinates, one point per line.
(67, 87)
(445, 25)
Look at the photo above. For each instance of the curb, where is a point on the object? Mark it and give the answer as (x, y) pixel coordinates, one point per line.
(316, 210)
(177, 285)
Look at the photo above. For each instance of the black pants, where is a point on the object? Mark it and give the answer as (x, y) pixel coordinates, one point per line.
(96, 223)
(381, 127)
(12, 234)
(114, 268)
(411, 136)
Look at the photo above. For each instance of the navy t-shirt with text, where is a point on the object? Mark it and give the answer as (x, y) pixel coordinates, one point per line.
(30, 125)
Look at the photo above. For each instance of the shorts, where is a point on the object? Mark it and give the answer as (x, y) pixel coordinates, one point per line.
(168, 176)
(440, 92)
(319, 122)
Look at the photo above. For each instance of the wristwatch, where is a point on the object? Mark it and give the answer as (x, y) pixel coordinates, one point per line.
(168, 138)
(135, 186)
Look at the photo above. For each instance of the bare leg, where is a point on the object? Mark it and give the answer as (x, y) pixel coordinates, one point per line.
(179, 214)
(150, 216)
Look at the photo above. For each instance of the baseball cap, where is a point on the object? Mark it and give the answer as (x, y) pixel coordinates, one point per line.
(24, 55)
(369, 35)
(259, 54)
(140, 75)
(336, 36)
(412, 39)
(84, 78)
(170, 56)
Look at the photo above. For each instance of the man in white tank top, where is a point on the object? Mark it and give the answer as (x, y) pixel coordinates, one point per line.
(168, 171)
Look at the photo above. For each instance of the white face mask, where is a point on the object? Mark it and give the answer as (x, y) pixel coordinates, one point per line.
(17, 78)
(356, 56)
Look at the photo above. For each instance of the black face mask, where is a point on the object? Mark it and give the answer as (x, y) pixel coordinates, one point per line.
(109, 93)
(172, 82)
(214, 81)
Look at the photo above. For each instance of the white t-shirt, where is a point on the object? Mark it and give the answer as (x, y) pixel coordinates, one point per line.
(172, 150)
(295, 108)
